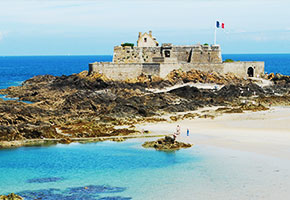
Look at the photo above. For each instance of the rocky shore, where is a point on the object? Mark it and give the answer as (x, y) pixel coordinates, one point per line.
(11, 196)
(166, 144)
(92, 106)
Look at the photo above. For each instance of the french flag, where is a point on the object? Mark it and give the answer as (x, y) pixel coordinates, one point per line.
(220, 25)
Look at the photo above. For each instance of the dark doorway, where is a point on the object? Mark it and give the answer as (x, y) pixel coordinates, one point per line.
(250, 72)
(167, 54)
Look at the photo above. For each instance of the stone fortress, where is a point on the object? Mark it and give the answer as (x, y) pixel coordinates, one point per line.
(150, 58)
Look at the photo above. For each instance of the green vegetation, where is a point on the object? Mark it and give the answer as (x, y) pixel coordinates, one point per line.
(229, 60)
(127, 44)
(205, 44)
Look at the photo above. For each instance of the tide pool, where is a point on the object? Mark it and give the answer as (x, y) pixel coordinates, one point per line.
(16, 99)
(125, 170)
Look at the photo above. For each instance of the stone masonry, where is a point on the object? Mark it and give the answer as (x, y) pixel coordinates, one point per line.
(151, 59)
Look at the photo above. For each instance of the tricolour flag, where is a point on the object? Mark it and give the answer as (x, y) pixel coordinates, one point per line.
(218, 25)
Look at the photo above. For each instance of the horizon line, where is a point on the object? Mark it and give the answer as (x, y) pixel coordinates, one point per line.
(112, 54)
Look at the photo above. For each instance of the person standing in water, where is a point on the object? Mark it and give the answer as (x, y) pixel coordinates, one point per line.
(187, 132)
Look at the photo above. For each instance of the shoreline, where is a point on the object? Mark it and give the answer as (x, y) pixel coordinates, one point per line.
(39, 142)
(262, 132)
(248, 131)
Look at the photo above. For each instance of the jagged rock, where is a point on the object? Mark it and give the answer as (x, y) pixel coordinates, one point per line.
(90, 105)
(118, 139)
(186, 92)
(65, 141)
(11, 196)
(166, 144)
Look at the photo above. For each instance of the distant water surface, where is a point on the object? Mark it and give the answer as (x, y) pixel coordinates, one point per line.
(16, 69)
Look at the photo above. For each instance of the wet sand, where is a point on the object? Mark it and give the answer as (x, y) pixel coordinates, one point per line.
(264, 132)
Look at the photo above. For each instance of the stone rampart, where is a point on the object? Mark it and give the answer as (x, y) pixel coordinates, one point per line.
(170, 54)
(123, 71)
(115, 71)
(245, 69)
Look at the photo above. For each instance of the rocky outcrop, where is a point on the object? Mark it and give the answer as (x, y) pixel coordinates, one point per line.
(11, 196)
(166, 144)
(84, 106)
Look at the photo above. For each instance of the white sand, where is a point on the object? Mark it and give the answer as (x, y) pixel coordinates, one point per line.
(265, 132)
(244, 156)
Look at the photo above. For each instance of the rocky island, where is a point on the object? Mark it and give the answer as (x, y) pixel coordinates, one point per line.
(71, 108)
(141, 85)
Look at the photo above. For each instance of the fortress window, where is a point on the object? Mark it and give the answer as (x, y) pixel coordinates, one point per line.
(167, 54)
(145, 39)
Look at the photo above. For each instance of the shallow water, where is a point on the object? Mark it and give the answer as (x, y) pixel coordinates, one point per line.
(130, 171)
(5, 98)
(125, 170)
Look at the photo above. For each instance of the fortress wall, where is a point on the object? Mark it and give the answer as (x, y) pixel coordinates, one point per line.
(182, 53)
(152, 69)
(123, 71)
(219, 68)
(117, 71)
(178, 54)
(206, 54)
(135, 54)
(149, 52)
(241, 68)
(127, 55)
(167, 68)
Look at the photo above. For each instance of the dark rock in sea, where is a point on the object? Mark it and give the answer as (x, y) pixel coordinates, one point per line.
(95, 189)
(45, 180)
(11, 196)
(166, 144)
(90, 192)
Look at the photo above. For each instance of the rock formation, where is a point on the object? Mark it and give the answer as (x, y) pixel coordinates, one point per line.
(82, 105)
(11, 196)
(166, 144)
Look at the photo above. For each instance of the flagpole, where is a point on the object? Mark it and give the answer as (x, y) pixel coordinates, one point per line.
(215, 36)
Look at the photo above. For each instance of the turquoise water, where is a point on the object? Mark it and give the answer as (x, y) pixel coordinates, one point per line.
(4, 97)
(125, 170)
(77, 165)
(128, 171)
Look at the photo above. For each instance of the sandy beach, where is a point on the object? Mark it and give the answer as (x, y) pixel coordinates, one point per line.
(263, 132)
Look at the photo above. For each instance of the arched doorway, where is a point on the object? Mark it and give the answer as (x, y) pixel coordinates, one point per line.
(250, 72)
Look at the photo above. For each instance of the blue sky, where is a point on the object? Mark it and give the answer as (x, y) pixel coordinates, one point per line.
(90, 27)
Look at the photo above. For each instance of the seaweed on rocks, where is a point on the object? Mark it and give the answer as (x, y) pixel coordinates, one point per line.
(45, 180)
(90, 192)
(186, 92)
(166, 144)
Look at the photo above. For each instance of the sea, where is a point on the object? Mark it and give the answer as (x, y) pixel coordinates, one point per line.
(121, 171)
